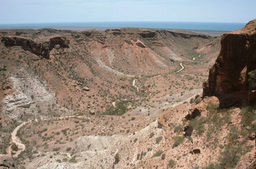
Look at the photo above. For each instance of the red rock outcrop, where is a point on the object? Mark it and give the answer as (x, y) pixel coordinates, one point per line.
(232, 77)
(40, 49)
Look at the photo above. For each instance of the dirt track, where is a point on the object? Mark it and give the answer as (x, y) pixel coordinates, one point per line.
(22, 147)
(182, 68)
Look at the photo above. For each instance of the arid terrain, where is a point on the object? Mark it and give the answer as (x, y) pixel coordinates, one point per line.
(126, 98)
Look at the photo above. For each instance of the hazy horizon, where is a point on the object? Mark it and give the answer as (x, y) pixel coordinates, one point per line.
(106, 25)
(87, 11)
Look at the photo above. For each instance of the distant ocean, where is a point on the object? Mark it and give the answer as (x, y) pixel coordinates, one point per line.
(160, 25)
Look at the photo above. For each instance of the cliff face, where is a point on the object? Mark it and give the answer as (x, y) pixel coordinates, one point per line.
(232, 78)
(40, 49)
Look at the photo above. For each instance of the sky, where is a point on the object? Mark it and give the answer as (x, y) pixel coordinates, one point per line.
(65, 11)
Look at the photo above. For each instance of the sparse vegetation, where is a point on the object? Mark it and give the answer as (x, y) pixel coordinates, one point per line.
(117, 158)
(248, 117)
(198, 125)
(68, 149)
(171, 163)
(14, 147)
(151, 135)
(158, 153)
(235, 147)
(178, 129)
(56, 149)
(92, 96)
(120, 109)
(73, 160)
(177, 141)
(159, 139)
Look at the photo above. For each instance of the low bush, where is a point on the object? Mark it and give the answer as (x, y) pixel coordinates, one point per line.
(159, 139)
(120, 109)
(177, 141)
(158, 153)
(171, 163)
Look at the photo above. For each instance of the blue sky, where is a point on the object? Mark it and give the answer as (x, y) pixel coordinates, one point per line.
(48, 11)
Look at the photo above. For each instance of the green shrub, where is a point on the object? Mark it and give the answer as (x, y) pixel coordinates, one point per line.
(151, 135)
(230, 157)
(232, 151)
(73, 160)
(198, 125)
(135, 140)
(120, 109)
(198, 100)
(117, 158)
(212, 108)
(177, 141)
(158, 153)
(68, 149)
(248, 116)
(158, 139)
(233, 134)
(213, 166)
(56, 149)
(216, 118)
(14, 147)
(171, 163)
(178, 128)
(64, 131)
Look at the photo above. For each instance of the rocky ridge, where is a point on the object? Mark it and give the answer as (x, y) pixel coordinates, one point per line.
(40, 49)
(232, 77)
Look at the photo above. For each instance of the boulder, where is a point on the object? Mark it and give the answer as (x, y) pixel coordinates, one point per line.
(195, 151)
(188, 131)
(92, 112)
(86, 88)
(195, 113)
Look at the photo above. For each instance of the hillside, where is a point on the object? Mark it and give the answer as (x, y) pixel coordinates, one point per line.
(118, 98)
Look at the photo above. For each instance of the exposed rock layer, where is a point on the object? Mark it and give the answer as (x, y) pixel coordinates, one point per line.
(40, 49)
(231, 77)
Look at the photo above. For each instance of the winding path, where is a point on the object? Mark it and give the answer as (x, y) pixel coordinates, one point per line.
(134, 84)
(17, 141)
(21, 147)
(102, 65)
(182, 68)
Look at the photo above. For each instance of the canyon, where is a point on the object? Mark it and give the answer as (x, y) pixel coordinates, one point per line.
(127, 98)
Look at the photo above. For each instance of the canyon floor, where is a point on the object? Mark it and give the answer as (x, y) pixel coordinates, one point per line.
(116, 98)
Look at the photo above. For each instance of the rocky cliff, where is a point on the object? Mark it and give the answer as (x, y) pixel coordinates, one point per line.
(233, 76)
(40, 49)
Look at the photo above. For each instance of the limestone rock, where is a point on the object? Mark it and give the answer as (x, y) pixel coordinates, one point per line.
(86, 88)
